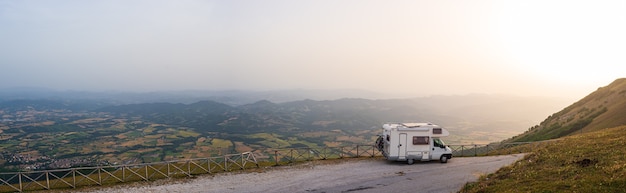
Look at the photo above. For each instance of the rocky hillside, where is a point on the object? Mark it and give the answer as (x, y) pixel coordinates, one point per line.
(604, 108)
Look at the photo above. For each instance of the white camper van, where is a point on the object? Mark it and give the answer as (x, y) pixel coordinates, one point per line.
(413, 141)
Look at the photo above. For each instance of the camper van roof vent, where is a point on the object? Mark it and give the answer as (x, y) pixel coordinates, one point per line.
(414, 125)
(408, 125)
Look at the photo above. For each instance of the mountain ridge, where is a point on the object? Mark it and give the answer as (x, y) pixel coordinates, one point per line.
(599, 110)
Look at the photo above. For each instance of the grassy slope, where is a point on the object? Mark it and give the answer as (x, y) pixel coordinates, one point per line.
(591, 162)
(604, 108)
(615, 101)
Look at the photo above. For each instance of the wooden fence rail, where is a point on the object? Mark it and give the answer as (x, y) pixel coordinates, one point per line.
(471, 150)
(101, 175)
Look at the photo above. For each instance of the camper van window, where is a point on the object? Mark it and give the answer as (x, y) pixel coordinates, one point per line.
(438, 143)
(437, 131)
(420, 140)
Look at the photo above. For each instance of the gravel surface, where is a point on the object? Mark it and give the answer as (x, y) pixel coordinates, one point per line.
(352, 175)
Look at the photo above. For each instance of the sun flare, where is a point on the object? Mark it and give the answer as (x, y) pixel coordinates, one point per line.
(553, 41)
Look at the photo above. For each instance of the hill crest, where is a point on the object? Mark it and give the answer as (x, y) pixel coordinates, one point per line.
(602, 109)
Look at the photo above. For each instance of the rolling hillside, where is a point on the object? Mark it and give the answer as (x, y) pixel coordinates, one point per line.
(604, 108)
(588, 158)
(474, 112)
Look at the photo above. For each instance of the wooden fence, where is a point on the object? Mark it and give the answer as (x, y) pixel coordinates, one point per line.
(471, 150)
(103, 175)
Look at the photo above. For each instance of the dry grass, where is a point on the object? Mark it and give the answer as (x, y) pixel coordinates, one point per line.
(591, 162)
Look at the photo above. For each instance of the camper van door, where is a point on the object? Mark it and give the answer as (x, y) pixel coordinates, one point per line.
(402, 147)
(438, 149)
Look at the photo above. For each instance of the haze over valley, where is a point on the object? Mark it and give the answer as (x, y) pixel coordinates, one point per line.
(87, 129)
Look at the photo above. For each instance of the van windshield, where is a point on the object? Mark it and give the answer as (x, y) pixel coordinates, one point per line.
(438, 142)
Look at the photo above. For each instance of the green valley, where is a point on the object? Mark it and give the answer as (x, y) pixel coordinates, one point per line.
(48, 134)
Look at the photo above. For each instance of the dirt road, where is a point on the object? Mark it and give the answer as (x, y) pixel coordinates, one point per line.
(365, 175)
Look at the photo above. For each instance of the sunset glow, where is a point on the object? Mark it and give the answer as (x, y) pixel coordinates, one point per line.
(565, 41)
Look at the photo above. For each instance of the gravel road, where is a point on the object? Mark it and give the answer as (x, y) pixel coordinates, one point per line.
(353, 175)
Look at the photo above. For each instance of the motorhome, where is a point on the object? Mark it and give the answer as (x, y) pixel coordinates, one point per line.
(413, 141)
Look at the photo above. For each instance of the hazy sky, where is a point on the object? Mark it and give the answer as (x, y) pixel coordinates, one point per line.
(544, 48)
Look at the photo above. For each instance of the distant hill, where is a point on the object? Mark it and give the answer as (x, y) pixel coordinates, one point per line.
(474, 112)
(229, 97)
(45, 104)
(604, 108)
(265, 116)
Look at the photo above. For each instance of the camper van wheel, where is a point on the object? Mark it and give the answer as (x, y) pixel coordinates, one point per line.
(410, 161)
(443, 159)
